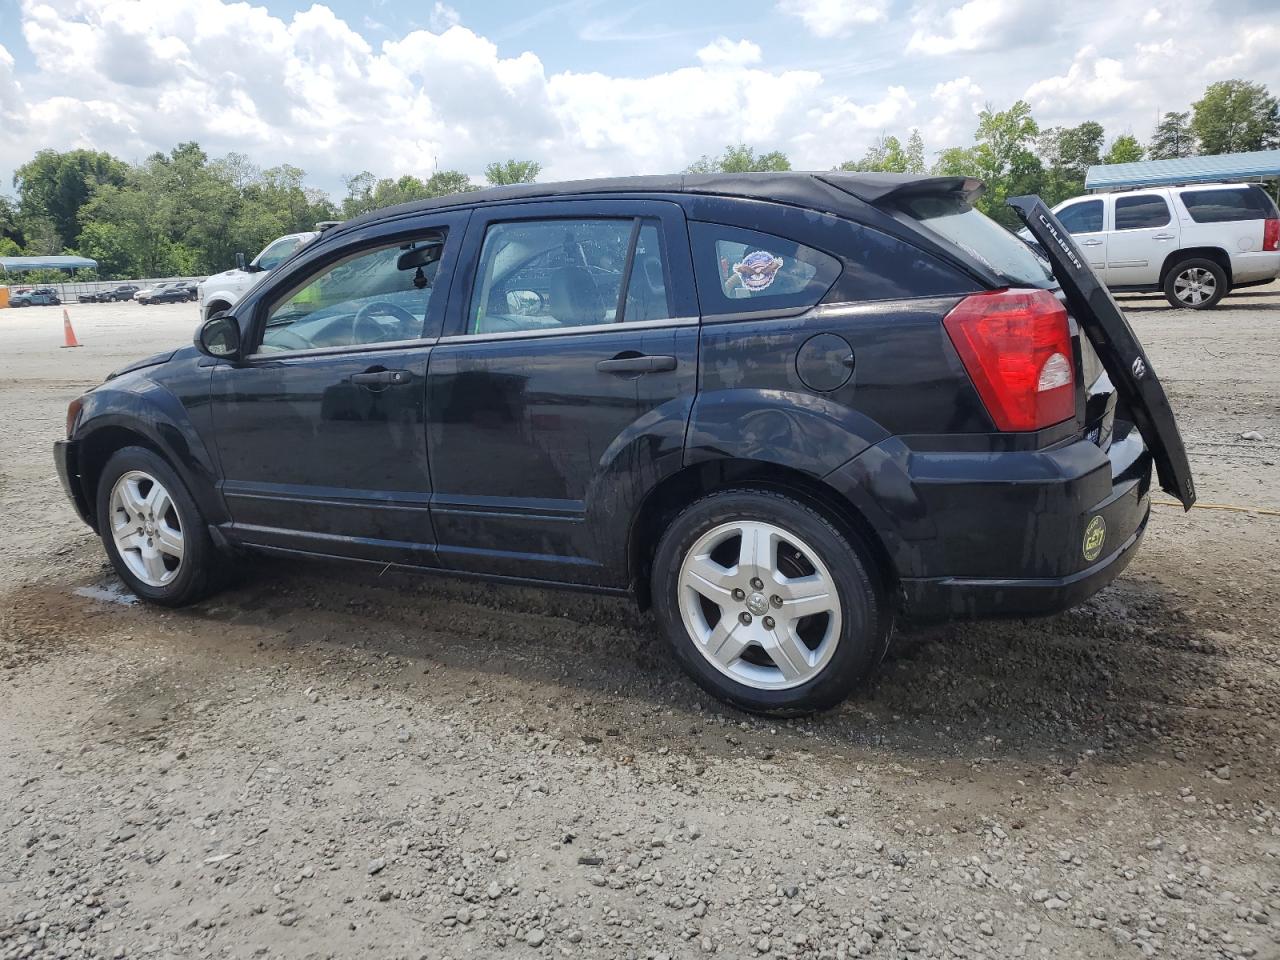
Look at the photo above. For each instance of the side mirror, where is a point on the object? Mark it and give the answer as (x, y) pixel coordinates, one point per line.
(219, 337)
(239, 261)
(524, 303)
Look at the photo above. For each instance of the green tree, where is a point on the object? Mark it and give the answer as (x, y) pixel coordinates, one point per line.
(53, 186)
(1067, 153)
(502, 173)
(1173, 137)
(888, 155)
(740, 159)
(1235, 116)
(1124, 149)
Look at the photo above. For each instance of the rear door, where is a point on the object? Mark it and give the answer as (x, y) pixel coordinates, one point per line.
(1085, 220)
(560, 392)
(1143, 233)
(1117, 347)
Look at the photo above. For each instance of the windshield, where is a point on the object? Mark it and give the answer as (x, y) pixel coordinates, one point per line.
(954, 219)
(270, 258)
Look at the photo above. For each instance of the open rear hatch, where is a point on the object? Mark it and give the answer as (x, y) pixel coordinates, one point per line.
(1098, 314)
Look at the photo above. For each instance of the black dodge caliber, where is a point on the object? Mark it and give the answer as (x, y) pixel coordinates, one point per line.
(783, 409)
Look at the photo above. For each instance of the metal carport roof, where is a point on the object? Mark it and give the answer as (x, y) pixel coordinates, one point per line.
(19, 264)
(1222, 167)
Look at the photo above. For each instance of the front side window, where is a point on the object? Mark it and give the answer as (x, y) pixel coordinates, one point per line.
(741, 270)
(1083, 217)
(1139, 213)
(551, 274)
(375, 296)
(271, 257)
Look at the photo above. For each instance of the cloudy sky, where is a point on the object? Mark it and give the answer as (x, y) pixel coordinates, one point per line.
(593, 87)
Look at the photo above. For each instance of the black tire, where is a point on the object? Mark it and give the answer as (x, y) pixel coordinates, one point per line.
(1192, 271)
(199, 571)
(866, 614)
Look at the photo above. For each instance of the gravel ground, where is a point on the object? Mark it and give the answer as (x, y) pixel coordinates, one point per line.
(322, 762)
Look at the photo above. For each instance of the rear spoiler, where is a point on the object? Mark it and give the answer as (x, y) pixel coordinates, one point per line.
(885, 187)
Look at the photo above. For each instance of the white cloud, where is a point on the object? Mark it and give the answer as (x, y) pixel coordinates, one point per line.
(958, 103)
(835, 18)
(724, 50)
(1092, 83)
(977, 25)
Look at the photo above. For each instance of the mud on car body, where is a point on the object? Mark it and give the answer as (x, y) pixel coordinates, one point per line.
(782, 409)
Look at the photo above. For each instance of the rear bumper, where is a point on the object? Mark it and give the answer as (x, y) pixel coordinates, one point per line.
(946, 598)
(1015, 533)
(66, 457)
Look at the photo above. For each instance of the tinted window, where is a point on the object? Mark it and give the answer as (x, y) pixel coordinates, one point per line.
(740, 270)
(548, 274)
(373, 296)
(956, 221)
(1224, 206)
(1084, 217)
(1137, 213)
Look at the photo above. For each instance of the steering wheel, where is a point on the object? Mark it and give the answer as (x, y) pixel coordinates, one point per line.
(364, 318)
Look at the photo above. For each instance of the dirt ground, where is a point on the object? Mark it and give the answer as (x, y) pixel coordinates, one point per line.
(323, 762)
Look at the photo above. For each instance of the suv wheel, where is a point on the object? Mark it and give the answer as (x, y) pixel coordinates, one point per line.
(1196, 284)
(152, 530)
(767, 605)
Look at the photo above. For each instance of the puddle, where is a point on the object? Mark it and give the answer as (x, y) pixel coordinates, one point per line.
(110, 593)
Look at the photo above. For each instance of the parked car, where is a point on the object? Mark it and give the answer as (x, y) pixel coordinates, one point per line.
(123, 292)
(783, 409)
(146, 292)
(40, 296)
(180, 292)
(223, 290)
(1195, 243)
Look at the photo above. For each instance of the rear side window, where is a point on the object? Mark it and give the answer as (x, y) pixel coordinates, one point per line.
(741, 270)
(1229, 205)
(1083, 217)
(1138, 213)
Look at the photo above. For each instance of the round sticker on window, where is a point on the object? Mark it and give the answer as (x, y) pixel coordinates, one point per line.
(758, 269)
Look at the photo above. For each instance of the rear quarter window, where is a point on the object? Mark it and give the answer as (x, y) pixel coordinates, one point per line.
(741, 271)
(1138, 213)
(1229, 205)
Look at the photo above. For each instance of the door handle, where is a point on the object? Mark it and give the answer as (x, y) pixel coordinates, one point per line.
(1090, 243)
(642, 364)
(1163, 236)
(381, 378)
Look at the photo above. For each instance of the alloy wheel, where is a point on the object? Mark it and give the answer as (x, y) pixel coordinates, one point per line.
(760, 605)
(1194, 286)
(146, 528)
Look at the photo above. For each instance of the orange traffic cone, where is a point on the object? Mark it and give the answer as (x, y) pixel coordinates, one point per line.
(68, 335)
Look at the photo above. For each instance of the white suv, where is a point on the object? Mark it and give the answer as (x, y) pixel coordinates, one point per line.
(1195, 243)
(222, 290)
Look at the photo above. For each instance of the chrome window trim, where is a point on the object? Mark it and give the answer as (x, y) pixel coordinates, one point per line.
(344, 348)
(570, 331)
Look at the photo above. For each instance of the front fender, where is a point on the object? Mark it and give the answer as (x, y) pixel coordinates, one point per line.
(155, 413)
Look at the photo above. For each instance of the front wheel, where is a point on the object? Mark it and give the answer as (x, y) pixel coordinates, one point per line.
(152, 529)
(1195, 284)
(767, 604)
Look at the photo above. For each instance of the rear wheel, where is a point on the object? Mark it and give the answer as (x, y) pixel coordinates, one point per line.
(767, 604)
(152, 529)
(1195, 284)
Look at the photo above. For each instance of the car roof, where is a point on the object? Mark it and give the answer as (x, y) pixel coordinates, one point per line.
(831, 191)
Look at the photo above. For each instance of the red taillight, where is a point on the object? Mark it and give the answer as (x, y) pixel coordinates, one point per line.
(1271, 235)
(1016, 346)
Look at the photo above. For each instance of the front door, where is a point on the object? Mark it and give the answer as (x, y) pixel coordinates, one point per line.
(320, 430)
(560, 392)
(1084, 221)
(1143, 234)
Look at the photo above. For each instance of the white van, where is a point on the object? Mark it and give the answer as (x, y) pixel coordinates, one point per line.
(1195, 243)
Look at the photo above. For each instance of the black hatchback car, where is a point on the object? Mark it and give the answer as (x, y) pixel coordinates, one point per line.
(783, 408)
